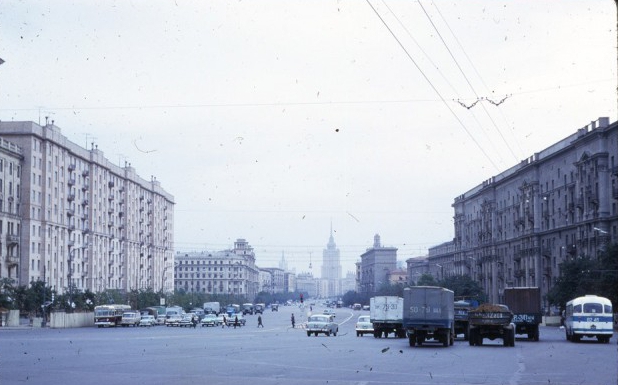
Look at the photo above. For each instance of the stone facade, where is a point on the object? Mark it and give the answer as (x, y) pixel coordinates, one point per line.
(87, 223)
(517, 227)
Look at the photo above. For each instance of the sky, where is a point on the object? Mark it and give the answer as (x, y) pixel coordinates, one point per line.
(277, 121)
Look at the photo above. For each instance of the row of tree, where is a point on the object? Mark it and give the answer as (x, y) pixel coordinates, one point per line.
(462, 285)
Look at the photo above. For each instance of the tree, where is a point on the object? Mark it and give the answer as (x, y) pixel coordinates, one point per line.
(464, 287)
(584, 275)
(426, 280)
(7, 293)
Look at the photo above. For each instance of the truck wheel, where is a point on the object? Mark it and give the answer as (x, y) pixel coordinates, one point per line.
(327, 334)
(513, 338)
(446, 339)
(412, 340)
(471, 337)
(506, 341)
(466, 335)
(308, 334)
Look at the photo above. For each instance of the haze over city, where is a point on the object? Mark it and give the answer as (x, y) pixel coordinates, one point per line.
(274, 120)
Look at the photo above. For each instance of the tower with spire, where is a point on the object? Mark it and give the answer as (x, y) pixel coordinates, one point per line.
(331, 268)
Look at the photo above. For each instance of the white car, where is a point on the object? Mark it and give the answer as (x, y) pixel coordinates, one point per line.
(210, 320)
(321, 323)
(363, 326)
(329, 312)
(147, 320)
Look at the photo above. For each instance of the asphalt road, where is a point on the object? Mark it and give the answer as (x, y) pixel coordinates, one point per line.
(278, 354)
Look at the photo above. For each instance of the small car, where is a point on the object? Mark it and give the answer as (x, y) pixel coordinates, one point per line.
(231, 319)
(210, 320)
(363, 326)
(220, 320)
(321, 323)
(173, 320)
(329, 312)
(147, 320)
(187, 320)
(130, 318)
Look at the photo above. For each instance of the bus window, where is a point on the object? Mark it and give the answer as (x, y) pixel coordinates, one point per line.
(593, 308)
(608, 309)
(577, 308)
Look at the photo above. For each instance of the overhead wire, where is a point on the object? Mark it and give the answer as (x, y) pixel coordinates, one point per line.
(433, 87)
(463, 73)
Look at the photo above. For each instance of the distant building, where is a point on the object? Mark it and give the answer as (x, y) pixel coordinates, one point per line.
(331, 269)
(75, 220)
(516, 228)
(226, 272)
(375, 266)
(306, 283)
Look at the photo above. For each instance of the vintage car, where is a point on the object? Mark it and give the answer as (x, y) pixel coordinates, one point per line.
(363, 326)
(231, 319)
(130, 318)
(321, 323)
(147, 320)
(210, 320)
(329, 312)
(172, 320)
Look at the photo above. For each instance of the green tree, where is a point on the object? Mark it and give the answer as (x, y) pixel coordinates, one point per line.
(427, 280)
(464, 287)
(584, 275)
(7, 293)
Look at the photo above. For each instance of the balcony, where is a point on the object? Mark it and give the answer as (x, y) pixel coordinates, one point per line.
(12, 240)
(71, 181)
(85, 271)
(85, 187)
(110, 197)
(71, 197)
(71, 228)
(70, 212)
(86, 230)
(110, 223)
(12, 260)
(85, 202)
(71, 167)
(110, 210)
(110, 183)
(86, 172)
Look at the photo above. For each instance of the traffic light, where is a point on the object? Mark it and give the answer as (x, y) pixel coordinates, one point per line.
(301, 297)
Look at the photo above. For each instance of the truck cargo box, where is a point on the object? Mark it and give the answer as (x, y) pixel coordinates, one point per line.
(429, 314)
(523, 299)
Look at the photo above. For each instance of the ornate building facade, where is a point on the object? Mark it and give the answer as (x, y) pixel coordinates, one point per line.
(226, 272)
(517, 227)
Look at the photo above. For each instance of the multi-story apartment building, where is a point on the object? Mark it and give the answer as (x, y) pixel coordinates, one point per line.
(375, 266)
(85, 222)
(226, 272)
(10, 221)
(517, 227)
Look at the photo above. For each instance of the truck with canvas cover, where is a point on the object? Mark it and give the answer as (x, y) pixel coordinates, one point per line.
(491, 321)
(429, 314)
(386, 315)
(525, 303)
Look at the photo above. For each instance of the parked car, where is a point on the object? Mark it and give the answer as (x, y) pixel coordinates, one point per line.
(130, 318)
(329, 312)
(366, 307)
(364, 325)
(231, 319)
(187, 319)
(210, 320)
(147, 320)
(172, 320)
(321, 323)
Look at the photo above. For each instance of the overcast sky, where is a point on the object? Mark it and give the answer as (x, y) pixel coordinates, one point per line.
(270, 120)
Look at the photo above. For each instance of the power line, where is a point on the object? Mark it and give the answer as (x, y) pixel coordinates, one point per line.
(463, 126)
(468, 81)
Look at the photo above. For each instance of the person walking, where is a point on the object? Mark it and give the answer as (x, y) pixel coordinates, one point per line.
(293, 321)
(235, 321)
(260, 321)
(224, 322)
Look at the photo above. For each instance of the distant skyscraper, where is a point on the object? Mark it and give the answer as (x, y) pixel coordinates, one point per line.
(331, 267)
